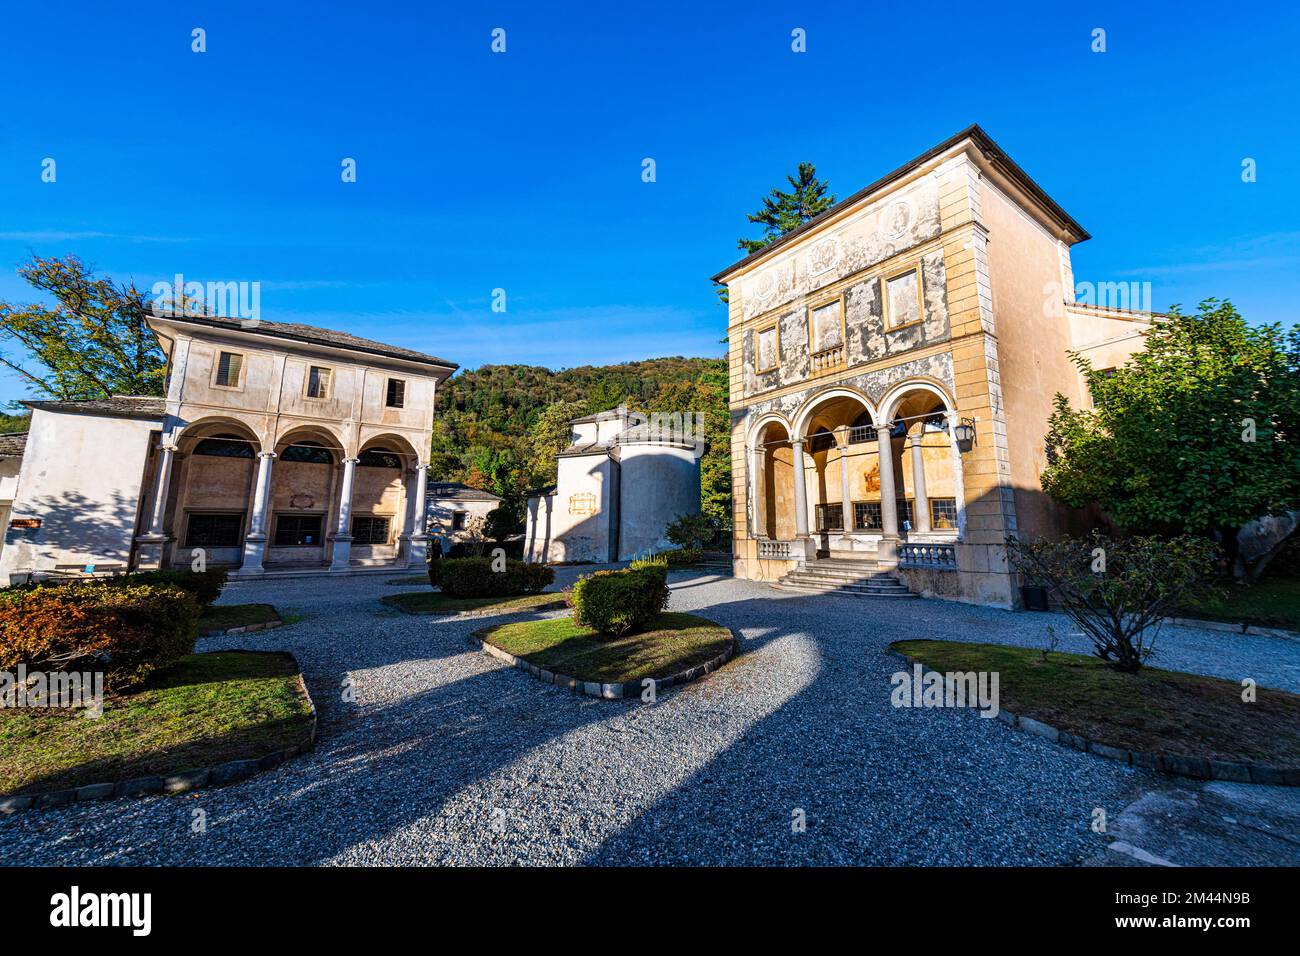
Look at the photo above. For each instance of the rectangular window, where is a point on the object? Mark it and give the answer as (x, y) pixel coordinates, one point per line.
(866, 515)
(905, 511)
(826, 326)
(293, 531)
(903, 293)
(396, 393)
(830, 517)
(229, 365)
(318, 382)
(458, 520)
(368, 529)
(943, 513)
(213, 531)
(766, 354)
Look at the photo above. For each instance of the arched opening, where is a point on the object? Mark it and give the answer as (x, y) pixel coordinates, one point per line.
(303, 497)
(842, 474)
(774, 492)
(379, 517)
(930, 495)
(211, 492)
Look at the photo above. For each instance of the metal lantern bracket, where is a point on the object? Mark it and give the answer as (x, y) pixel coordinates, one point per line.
(965, 435)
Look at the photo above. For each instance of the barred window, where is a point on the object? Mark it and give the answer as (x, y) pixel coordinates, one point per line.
(369, 529)
(830, 517)
(866, 515)
(213, 530)
(396, 393)
(297, 531)
(943, 513)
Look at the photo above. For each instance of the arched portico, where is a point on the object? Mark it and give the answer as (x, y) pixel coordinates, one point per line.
(846, 474)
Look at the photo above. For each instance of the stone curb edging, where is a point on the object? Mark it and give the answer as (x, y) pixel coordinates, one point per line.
(243, 629)
(1252, 630)
(232, 771)
(623, 691)
(1180, 765)
(479, 612)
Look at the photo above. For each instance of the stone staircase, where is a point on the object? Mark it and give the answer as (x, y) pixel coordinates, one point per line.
(844, 576)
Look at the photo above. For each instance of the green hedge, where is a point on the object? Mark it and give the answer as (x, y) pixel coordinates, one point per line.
(620, 602)
(474, 577)
(128, 631)
(683, 556)
(206, 586)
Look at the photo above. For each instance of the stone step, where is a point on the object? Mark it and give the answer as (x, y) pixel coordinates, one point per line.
(902, 593)
(849, 577)
(832, 580)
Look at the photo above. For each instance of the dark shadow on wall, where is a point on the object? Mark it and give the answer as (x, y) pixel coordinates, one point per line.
(96, 532)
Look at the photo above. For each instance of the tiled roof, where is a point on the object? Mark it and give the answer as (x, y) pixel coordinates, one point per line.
(13, 444)
(975, 134)
(605, 416)
(117, 406)
(309, 333)
(456, 491)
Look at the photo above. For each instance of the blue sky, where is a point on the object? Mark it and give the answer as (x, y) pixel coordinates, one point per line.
(522, 170)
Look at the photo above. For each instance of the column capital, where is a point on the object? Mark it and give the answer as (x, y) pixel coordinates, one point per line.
(351, 461)
(798, 442)
(267, 454)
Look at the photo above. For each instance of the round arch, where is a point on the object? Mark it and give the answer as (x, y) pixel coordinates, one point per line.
(763, 421)
(894, 397)
(809, 408)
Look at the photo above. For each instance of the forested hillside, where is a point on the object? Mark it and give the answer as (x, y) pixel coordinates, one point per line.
(499, 426)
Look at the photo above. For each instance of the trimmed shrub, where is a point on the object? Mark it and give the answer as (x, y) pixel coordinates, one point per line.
(620, 602)
(693, 531)
(474, 577)
(204, 585)
(128, 631)
(683, 556)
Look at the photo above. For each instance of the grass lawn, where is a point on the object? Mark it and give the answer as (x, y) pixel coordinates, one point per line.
(1153, 710)
(435, 602)
(408, 579)
(206, 709)
(221, 617)
(676, 643)
(1273, 602)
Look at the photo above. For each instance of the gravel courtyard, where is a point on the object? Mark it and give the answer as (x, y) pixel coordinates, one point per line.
(444, 756)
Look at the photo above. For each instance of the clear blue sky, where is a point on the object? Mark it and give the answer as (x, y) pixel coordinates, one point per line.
(522, 170)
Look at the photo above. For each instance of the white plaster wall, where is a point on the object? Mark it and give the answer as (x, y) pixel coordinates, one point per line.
(575, 537)
(81, 475)
(441, 512)
(659, 483)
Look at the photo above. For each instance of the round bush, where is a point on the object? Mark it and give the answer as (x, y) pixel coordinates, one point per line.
(474, 577)
(620, 602)
(127, 631)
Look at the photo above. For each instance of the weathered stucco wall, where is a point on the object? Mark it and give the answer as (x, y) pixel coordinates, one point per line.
(659, 483)
(81, 477)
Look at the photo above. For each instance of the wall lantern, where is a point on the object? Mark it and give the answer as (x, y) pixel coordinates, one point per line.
(965, 434)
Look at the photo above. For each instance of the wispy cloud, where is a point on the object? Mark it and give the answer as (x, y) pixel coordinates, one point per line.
(54, 235)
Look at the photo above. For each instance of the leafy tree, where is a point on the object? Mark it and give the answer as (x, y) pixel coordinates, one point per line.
(784, 211)
(505, 519)
(712, 401)
(14, 423)
(1199, 433)
(548, 437)
(1118, 591)
(91, 343)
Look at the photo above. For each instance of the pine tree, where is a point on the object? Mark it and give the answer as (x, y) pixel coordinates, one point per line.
(785, 211)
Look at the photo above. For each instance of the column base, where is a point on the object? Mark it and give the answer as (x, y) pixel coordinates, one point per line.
(149, 549)
(254, 550)
(417, 552)
(887, 551)
(342, 559)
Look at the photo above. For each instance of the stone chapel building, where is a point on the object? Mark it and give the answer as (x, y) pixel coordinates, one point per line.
(893, 364)
(278, 448)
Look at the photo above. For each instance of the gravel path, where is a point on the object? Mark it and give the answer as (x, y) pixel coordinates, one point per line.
(448, 757)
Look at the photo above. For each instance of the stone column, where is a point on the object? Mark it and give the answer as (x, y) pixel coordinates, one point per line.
(920, 500)
(888, 496)
(419, 548)
(150, 545)
(800, 492)
(255, 540)
(846, 498)
(958, 479)
(758, 460)
(342, 536)
(162, 484)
